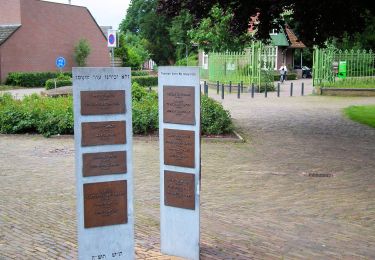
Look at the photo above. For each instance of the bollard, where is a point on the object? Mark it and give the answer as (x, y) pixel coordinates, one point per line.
(230, 86)
(206, 89)
(241, 86)
(217, 87)
(222, 91)
(252, 90)
(303, 89)
(291, 89)
(278, 89)
(149, 89)
(239, 91)
(265, 91)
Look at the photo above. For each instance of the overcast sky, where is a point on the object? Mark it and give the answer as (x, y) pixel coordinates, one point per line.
(105, 12)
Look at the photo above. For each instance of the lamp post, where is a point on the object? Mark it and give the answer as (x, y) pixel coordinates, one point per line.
(186, 50)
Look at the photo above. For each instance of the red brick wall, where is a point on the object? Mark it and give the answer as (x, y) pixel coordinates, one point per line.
(10, 12)
(50, 30)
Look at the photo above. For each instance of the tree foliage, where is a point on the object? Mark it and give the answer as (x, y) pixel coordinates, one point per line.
(316, 20)
(132, 50)
(81, 52)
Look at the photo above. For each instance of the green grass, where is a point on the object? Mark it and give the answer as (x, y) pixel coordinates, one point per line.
(351, 83)
(362, 114)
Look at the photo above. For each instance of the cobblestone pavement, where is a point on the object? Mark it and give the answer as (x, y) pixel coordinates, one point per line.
(257, 199)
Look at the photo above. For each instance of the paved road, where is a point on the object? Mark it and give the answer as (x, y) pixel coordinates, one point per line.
(257, 199)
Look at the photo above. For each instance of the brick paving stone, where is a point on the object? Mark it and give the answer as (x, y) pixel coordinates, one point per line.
(257, 201)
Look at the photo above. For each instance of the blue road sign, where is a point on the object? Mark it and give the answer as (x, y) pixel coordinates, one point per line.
(60, 62)
(111, 39)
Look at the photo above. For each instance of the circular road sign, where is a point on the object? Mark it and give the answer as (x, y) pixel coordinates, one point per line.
(111, 39)
(60, 62)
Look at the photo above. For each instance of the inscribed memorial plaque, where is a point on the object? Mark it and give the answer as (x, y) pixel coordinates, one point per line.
(101, 133)
(179, 105)
(179, 190)
(102, 102)
(179, 148)
(95, 164)
(105, 203)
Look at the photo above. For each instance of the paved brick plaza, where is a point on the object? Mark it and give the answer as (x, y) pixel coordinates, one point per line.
(257, 201)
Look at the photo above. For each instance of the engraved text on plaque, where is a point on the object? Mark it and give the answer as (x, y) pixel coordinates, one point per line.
(179, 190)
(105, 203)
(101, 133)
(178, 105)
(179, 148)
(95, 164)
(102, 102)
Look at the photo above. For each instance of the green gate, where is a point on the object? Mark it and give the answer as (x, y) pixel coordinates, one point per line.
(255, 64)
(331, 65)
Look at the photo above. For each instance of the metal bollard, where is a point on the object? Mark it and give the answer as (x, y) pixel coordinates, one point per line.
(230, 86)
(303, 89)
(252, 90)
(265, 91)
(291, 89)
(149, 89)
(241, 86)
(206, 89)
(278, 89)
(217, 87)
(222, 91)
(239, 91)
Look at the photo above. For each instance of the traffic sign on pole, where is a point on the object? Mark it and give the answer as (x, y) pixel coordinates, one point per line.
(112, 38)
(60, 62)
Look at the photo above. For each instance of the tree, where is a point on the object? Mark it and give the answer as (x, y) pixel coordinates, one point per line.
(81, 52)
(132, 50)
(142, 19)
(317, 20)
(213, 32)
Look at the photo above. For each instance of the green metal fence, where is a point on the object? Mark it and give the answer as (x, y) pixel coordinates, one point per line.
(331, 65)
(253, 65)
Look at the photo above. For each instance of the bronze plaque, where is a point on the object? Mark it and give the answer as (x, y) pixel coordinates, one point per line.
(179, 148)
(179, 105)
(102, 102)
(100, 133)
(105, 203)
(95, 164)
(179, 190)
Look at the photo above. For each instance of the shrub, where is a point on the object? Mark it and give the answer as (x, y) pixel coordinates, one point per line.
(32, 79)
(270, 87)
(215, 119)
(61, 81)
(81, 52)
(289, 76)
(146, 81)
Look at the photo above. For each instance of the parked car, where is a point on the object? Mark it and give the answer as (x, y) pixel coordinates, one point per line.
(306, 71)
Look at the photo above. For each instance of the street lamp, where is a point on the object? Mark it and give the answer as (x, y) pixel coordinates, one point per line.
(186, 50)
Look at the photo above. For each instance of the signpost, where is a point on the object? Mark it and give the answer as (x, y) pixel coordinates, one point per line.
(112, 43)
(179, 132)
(103, 162)
(60, 62)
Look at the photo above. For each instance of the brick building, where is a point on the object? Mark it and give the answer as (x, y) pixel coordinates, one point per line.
(34, 33)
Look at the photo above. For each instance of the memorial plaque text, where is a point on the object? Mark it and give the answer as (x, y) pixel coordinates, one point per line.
(102, 102)
(179, 148)
(105, 203)
(95, 164)
(179, 190)
(178, 105)
(102, 133)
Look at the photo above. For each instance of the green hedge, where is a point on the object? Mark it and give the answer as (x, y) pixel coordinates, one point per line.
(61, 81)
(32, 79)
(289, 76)
(51, 116)
(139, 73)
(146, 81)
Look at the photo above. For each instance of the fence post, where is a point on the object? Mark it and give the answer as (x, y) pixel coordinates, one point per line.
(291, 89)
(230, 86)
(239, 91)
(217, 87)
(252, 90)
(303, 89)
(222, 91)
(278, 89)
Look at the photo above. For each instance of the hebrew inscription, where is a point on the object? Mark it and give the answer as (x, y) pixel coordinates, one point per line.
(179, 148)
(179, 105)
(179, 190)
(102, 102)
(95, 164)
(101, 133)
(105, 203)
